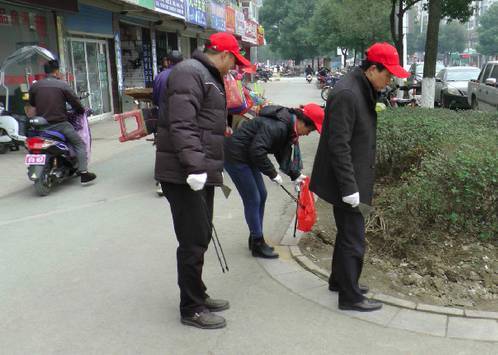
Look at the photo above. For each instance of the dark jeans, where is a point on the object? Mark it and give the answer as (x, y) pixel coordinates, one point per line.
(347, 261)
(249, 182)
(75, 140)
(192, 213)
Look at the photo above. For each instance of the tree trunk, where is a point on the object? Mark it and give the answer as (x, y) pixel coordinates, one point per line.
(428, 82)
(345, 55)
(392, 21)
(354, 62)
(399, 43)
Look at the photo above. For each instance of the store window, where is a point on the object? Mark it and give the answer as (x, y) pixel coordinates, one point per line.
(165, 42)
(19, 27)
(89, 63)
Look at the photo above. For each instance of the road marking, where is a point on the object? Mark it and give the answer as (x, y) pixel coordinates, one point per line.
(71, 209)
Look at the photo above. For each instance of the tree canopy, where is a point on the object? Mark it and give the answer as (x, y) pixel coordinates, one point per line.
(488, 32)
(451, 38)
(287, 27)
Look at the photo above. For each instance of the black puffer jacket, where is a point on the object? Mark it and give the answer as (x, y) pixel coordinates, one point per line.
(270, 133)
(192, 121)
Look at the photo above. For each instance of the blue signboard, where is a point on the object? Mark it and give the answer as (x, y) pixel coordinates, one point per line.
(171, 7)
(217, 17)
(196, 12)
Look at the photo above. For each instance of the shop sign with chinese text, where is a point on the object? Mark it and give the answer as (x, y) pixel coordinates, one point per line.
(174, 8)
(197, 12)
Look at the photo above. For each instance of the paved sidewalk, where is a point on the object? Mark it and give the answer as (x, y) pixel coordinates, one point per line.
(92, 270)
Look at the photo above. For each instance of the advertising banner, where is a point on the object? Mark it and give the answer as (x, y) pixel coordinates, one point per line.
(230, 19)
(197, 12)
(217, 18)
(240, 23)
(174, 8)
(251, 32)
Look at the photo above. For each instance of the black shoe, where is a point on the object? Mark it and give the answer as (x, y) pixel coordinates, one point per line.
(249, 244)
(364, 306)
(86, 177)
(215, 305)
(205, 320)
(262, 250)
(363, 288)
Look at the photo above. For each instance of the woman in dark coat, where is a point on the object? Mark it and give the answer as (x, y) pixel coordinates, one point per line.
(276, 131)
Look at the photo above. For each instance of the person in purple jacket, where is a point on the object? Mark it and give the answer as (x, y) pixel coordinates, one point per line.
(174, 57)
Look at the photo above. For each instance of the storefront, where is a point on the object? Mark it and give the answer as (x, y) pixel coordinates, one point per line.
(88, 57)
(25, 25)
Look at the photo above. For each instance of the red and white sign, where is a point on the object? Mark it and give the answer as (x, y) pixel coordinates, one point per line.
(251, 32)
(240, 23)
(35, 159)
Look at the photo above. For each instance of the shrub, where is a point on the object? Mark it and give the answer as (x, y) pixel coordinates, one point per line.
(439, 173)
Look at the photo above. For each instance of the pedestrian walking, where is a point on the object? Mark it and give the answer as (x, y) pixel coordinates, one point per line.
(160, 81)
(343, 171)
(276, 131)
(189, 164)
(160, 84)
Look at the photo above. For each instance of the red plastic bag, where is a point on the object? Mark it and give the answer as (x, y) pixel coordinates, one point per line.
(306, 212)
(234, 93)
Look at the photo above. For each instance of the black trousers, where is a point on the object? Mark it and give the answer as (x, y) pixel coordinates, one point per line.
(192, 217)
(347, 261)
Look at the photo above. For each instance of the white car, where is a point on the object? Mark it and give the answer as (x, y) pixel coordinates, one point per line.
(483, 92)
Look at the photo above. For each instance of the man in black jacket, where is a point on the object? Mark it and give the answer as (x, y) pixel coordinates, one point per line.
(189, 164)
(343, 171)
(49, 96)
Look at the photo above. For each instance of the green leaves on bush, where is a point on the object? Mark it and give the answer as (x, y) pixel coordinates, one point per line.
(441, 173)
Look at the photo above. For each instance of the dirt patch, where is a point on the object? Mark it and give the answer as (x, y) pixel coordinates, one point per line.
(448, 273)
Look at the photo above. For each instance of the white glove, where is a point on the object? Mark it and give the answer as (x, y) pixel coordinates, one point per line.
(297, 183)
(353, 200)
(197, 181)
(277, 180)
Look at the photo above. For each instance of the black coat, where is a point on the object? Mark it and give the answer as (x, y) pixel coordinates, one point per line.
(270, 133)
(345, 159)
(192, 121)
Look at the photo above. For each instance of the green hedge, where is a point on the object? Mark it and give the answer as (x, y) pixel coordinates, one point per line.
(438, 173)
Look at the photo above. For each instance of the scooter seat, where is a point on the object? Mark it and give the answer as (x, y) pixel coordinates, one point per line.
(53, 135)
(38, 122)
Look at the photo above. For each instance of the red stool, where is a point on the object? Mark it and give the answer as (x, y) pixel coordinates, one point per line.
(137, 133)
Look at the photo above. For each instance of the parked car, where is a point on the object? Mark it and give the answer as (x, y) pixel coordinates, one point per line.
(451, 86)
(417, 73)
(483, 92)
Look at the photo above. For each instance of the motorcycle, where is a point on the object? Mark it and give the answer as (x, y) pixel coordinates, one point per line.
(329, 83)
(12, 126)
(389, 97)
(309, 78)
(50, 159)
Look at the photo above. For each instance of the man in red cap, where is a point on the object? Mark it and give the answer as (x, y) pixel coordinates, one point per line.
(275, 131)
(343, 171)
(189, 164)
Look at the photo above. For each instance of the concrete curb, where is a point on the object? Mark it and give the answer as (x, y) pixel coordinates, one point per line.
(309, 265)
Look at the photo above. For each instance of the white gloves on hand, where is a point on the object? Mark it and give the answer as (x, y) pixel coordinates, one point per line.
(353, 200)
(297, 183)
(277, 180)
(197, 181)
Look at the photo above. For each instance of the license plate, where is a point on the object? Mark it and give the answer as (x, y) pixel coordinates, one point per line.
(35, 159)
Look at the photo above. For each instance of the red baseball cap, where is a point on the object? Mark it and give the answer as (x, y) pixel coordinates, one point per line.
(315, 113)
(223, 41)
(387, 55)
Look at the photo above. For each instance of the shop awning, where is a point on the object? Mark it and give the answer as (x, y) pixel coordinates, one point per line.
(66, 5)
